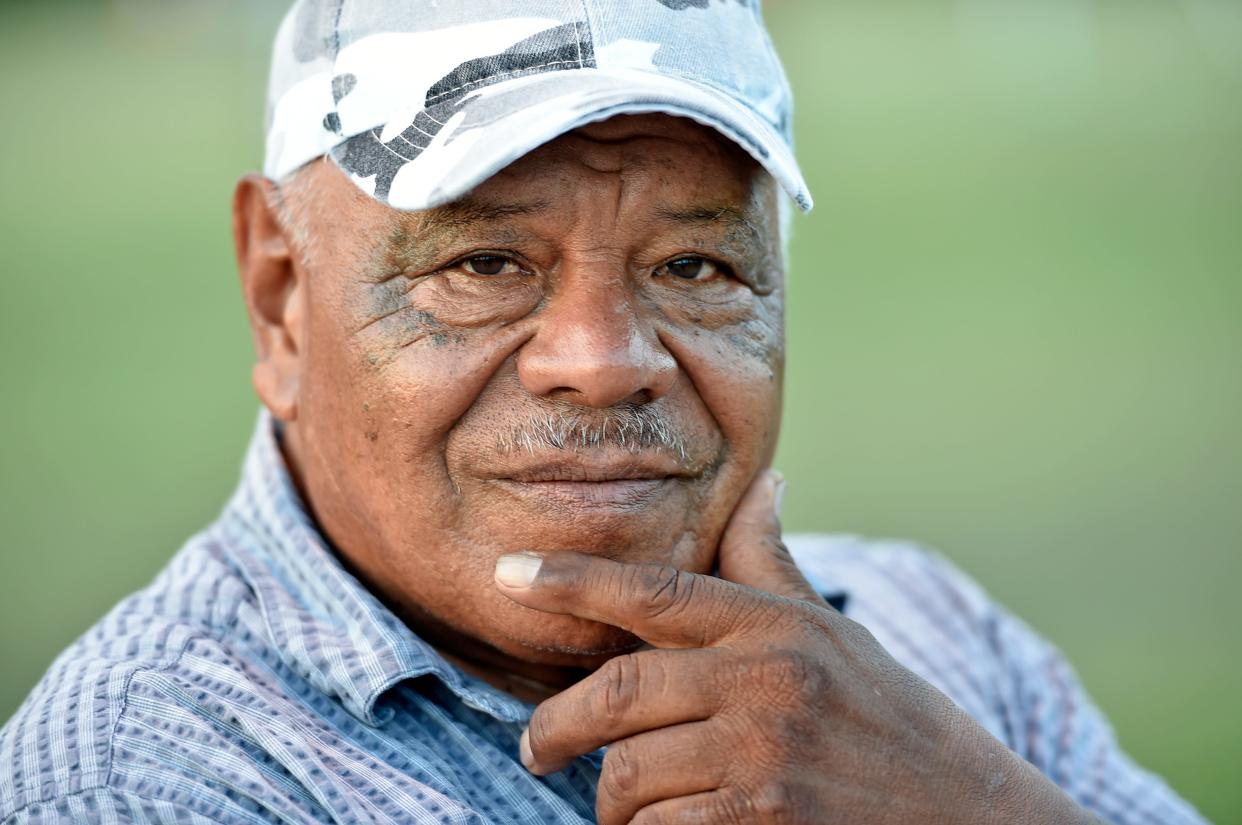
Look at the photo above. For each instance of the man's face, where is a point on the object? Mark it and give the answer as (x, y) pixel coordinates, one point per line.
(584, 353)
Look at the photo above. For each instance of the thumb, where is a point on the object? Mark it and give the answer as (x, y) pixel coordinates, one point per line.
(752, 552)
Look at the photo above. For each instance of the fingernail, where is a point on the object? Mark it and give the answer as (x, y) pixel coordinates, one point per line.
(517, 569)
(528, 758)
(778, 490)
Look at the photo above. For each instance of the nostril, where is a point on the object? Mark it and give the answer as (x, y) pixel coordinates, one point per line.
(591, 397)
(581, 358)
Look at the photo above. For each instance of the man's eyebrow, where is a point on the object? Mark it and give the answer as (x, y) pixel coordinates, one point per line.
(423, 242)
(469, 212)
(731, 218)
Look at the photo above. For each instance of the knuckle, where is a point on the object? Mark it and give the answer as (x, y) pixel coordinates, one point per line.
(666, 590)
(840, 632)
(776, 801)
(792, 739)
(825, 623)
(819, 621)
(730, 809)
(767, 742)
(859, 635)
(733, 681)
(619, 689)
(620, 776)
(791, 675)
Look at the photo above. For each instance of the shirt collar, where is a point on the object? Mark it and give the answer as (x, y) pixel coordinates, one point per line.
(322, 621)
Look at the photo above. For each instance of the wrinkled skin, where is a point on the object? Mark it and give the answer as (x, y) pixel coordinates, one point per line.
(625, 278)
(759, 703)
(394, 367)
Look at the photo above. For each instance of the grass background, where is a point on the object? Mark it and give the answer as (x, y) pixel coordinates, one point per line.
(1015, 321)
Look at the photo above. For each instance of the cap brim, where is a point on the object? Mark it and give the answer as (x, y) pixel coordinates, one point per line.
(414, 162)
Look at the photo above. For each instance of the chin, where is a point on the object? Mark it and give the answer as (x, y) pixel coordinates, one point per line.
(565, 641)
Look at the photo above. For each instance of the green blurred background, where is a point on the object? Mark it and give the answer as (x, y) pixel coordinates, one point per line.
(1015, 320)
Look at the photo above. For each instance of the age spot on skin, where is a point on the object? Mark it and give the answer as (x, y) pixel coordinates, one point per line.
(387, 335)
(439, 340)
(759, 341)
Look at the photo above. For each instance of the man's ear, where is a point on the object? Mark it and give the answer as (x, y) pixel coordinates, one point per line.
(272, 286)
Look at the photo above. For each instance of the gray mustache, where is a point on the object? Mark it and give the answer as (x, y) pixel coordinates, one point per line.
(633, 428)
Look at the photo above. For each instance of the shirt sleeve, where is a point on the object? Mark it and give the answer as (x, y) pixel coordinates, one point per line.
(1060, 730)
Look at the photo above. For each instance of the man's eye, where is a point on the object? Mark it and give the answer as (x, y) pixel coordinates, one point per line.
(490, 265)
(691, 268)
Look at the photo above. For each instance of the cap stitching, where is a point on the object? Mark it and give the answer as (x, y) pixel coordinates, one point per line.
(336, 29)
(578, 41)
(491, 80)
(401, 137)
(414, 125)
(374, 133)
(427, 114)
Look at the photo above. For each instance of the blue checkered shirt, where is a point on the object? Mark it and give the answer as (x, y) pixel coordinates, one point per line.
(256, 681)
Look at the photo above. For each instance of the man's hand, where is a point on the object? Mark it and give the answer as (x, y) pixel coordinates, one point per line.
(759, 703)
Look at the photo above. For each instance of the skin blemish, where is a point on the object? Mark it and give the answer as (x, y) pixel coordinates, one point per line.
(759, 349)
(381, 302)
(399, 328)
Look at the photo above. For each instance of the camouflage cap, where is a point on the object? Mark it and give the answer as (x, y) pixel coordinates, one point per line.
(419, 101)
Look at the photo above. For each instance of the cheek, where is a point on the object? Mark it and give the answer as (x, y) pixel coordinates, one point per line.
(436, 313)
(392, 371)
(466, 302)
(734, 354)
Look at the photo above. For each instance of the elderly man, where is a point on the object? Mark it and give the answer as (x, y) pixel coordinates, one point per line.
(506, 545)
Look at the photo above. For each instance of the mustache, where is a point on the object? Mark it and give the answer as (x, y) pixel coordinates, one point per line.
(630, 427)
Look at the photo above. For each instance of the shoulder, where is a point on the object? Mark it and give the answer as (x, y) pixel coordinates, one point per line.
(62, 742)
(887, 574)
(929, 615)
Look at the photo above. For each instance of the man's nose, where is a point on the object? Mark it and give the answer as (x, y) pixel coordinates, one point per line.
(592, 348)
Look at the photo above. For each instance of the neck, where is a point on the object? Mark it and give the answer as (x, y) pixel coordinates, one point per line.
(525, 680)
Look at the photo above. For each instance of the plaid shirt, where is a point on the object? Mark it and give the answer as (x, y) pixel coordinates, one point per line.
(256, 681)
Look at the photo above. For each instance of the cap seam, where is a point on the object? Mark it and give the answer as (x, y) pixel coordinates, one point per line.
(496, 79)
(590, 24)
(336, 31)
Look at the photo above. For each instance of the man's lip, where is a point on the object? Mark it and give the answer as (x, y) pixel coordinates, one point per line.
(600, 481)
(623, 494)
(594, 469)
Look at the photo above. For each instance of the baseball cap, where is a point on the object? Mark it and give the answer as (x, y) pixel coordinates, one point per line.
(419, 101)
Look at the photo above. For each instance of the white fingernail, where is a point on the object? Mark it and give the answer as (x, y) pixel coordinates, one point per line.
(528, 758)
(778, 491)
(518, 569)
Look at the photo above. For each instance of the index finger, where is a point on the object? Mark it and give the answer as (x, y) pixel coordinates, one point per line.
(658, 603)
